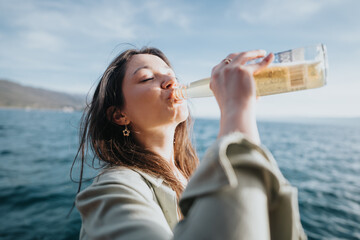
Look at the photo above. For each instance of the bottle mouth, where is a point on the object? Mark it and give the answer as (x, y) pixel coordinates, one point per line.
(178, 93)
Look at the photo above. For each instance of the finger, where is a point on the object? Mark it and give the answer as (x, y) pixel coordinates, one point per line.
(244, 57)
(261, 65)
(229, 57)
(223, 62)
(232, 55)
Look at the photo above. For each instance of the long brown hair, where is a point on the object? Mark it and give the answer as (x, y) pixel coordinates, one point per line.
(105, 139)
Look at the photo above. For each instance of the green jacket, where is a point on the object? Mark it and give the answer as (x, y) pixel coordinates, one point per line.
(237, 192)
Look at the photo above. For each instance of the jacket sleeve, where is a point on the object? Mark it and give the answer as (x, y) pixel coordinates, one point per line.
(112, 209)
(238, 192)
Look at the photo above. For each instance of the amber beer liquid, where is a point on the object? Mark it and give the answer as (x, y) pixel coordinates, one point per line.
(292, 70)
(281, 78)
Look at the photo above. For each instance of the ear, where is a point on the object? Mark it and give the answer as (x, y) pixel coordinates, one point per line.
(116, 116)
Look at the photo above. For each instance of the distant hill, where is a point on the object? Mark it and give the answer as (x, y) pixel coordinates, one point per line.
(14, 95)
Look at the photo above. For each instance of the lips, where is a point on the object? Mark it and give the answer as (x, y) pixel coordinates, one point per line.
(175, 96)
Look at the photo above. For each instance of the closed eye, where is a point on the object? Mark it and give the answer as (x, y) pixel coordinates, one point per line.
(147, 79)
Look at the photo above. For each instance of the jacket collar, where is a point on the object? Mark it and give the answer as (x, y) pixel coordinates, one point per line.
(155, 181)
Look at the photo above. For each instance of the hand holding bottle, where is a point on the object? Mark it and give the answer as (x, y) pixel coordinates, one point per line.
(233, 85)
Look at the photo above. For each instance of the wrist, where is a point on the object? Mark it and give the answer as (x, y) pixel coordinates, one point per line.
(241, 119)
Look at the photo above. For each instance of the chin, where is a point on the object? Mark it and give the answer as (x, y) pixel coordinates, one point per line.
(182, 114)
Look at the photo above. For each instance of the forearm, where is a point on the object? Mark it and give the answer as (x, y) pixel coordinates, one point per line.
(243, 120)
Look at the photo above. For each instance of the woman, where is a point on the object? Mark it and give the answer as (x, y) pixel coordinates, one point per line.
(140, 131)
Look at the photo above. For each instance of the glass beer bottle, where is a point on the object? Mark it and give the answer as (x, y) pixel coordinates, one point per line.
(292, 70)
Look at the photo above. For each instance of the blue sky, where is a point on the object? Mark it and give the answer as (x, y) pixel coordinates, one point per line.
(66, 45)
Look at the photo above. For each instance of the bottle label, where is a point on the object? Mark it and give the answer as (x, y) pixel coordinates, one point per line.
(289, 77)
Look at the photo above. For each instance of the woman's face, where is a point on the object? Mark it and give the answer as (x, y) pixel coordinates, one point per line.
(148, 91)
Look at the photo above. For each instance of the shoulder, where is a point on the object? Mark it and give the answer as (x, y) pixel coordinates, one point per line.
(120, 203)
(121, 175)
(118, 179)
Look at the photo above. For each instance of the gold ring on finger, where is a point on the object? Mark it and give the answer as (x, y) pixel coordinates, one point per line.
(227, 60)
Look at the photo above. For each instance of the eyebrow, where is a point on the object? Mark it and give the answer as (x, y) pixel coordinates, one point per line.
(140, 69)
(147, 67)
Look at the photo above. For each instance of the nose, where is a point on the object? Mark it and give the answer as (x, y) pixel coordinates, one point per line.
(169, 82)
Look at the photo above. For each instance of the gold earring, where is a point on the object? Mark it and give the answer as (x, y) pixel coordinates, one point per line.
(126, 131)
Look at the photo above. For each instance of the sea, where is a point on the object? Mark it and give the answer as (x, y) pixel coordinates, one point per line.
(321, 157)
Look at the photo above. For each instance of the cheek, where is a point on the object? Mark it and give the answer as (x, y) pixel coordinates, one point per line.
(138, 96)
(139, 103)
